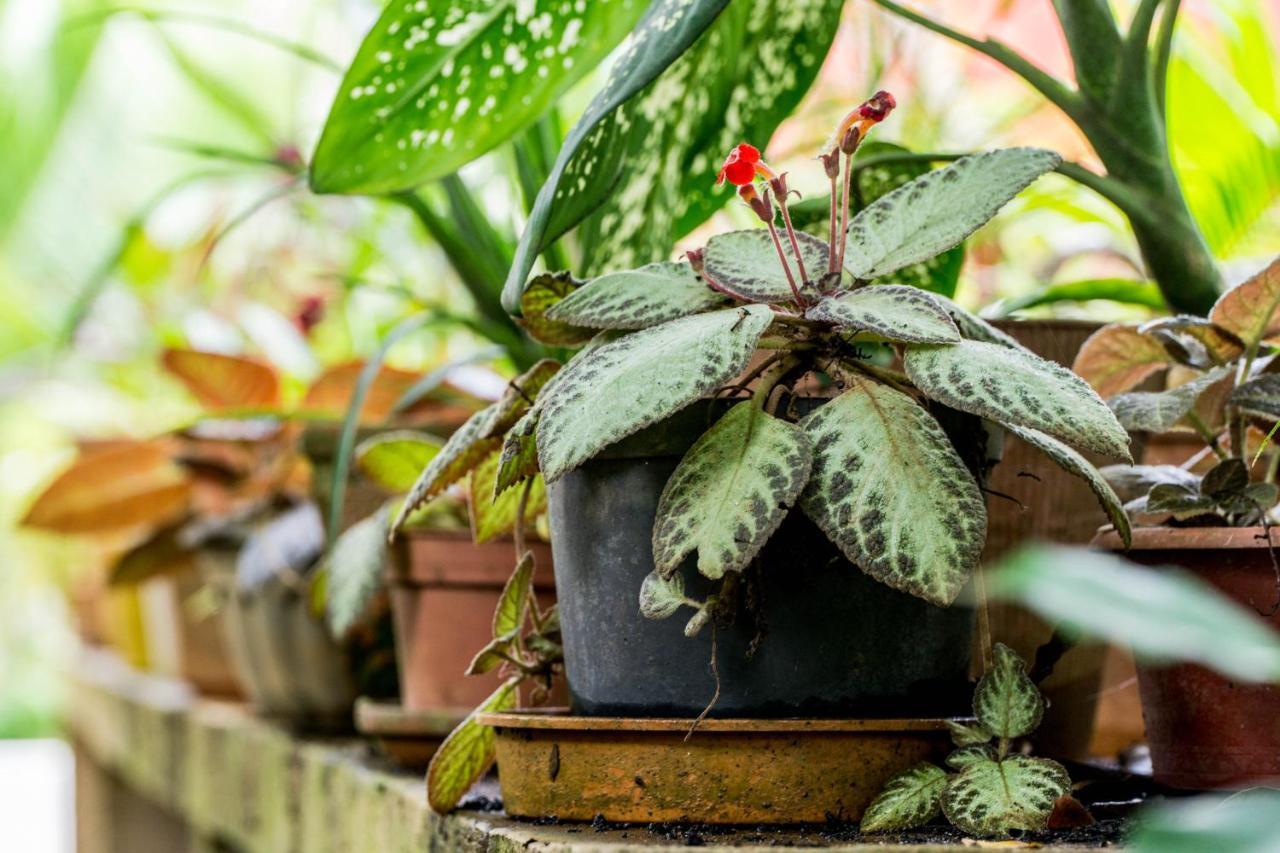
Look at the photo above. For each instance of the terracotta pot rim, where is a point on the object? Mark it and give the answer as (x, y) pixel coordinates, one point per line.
(1188, 539)
(559, 719)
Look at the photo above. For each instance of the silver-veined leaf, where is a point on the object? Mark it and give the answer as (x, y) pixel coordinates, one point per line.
(968, 734)
(467, 752)
(910, 799)
(747, 263)
(966, 755)
(637, 299)
(892, 311)
(891, 492)
(730, 492)
(1158, 411)
(395, 460)
(1006, 701)
(613, 390)
(993, 798)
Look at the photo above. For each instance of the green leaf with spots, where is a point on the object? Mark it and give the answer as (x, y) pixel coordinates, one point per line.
(937, 210)
(1158, 411)
(661, 597)
(493, 514)
(355, 570)
(1072, 462)
(613, 390)
(467, 752)
(698, 77)
(508, 616)
(730, 492)
(966, 755)
(888, 488)
(394, 460)
(974, 328)
(519, 397)
(437, 83)
(1006, 700)
(968, 734)
(894, 312)
(747, 263)
(637, 299)
(1016, 388)
(993, 798)
(519, 458)
(910, 799)
(544, 293)
(464, 450)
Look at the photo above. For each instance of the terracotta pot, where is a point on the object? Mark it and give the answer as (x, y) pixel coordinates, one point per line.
(1206, 731)
(443, 592)
(181, 644)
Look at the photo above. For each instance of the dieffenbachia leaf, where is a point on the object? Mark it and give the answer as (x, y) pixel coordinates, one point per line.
(661, 597)
(939, 209)
(730, 492)
(464, 450)
(1117, 358)
(437, 83)
(354, 570)
(519, 458)
(910, 799)
(993, 798)
(1158, 411)
(1252, 310)
(1132, 481)
(697, 77)
(637, 299)
(467, 752)
(608, 392)
(968, 734)
(508, 616)
(894, 312)
(544, 293)
(1072, 462)
(1016, 388)
(494, 514)
(519, 397)
(1006, 701)
(890, 491)
(1260, 396)
(747, 263)
(395, 460)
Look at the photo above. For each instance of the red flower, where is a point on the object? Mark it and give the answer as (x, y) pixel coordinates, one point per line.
(877, 107)
(740, 166)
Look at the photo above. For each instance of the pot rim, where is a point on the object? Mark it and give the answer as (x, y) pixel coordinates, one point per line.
(1163, 538)
(559, 719)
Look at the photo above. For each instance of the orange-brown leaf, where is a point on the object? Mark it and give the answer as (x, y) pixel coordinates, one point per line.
(1117, 358)
(1252, 309)
(222, 382)
(330, 395)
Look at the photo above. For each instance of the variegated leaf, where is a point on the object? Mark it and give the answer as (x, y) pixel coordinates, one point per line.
(544, 293)
(968, 734)
(395, 460)
(966, 755)
(1016, 388)
(730, 492)
(888, 489)
(519, 459)
(613, 390)
(747, 263)
(1071, 461)
(974, 328)
(637, 299)
(893, 311)
(1006, 700)
(519, 397)
(993, 798)
(910, 799)
(1158, 411)
(494, 515)
(661, 597)
(464, 450)
(1252, 310)
(1117, 358)
(938, 210)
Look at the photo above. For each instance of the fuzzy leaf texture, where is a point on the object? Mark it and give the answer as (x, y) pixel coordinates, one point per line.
(1260, 396)
(939, 209)
(1006, 701)
(730, 492)
(661, 597)
(910, 799)
(968, 734)
(395, 460)
(467, 752)
(894, 312)
(1118, 358)
(1158, 411)
(611, 391)
(464, 450)
(519, 458)
(637, 299)
(747, 263)
(519, 397)
(993, 798)
(354, 569)
(1252, 310)
(1016, 388)
(891, 492)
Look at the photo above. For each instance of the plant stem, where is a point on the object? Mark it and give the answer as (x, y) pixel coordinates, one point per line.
(795, 244)
(786, 267)
(1207, 434)
(770, 380)
(831, 244)
(844, 211)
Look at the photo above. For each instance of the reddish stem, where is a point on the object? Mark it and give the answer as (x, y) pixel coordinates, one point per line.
(844, 209)
(795, 243)
(831, 246)
(786, 267)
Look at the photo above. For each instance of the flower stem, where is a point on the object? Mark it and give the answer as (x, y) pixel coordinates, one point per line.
(786, 267)
(795, 243)
(831, 245)
(844, 210)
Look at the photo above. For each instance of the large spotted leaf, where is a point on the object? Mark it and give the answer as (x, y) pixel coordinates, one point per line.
(730, 492)
(747, 263)
(698, 77)
(974, 328)
(1071, 461)
(1006, 701)
(1016, 388)
(519, 397)
(994, 798)
(519, 458)
(1158, 411)
(895, 312)
(910, 799)
(464, 450)
(437, 83)
(543, 294)
(613, 390)
(888, 489)
(1252, 309)
(637, 299)
(937, 210)
(1117, 358)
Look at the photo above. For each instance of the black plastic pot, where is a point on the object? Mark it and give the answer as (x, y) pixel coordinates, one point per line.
(832, 642)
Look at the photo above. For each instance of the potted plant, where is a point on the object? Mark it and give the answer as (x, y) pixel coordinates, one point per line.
(1204, 730)
(672, 473)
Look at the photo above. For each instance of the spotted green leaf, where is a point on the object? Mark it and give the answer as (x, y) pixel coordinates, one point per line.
(894, 312)
(1158, 411)
(661, 597)
(1072, 462)
(974, 328)
(888, 489)
(1006, 700)
(467, 752)
(747, 263)
(394, 460)
(519, 458)
(966, 755)
(464, 450)
(993, 798)
(910, 799)
(493, 516)
(968, 734)
(437, 83)
(730, 492)
(544, 293)
(939, 209)
(613, 390)
(354, 570)
(1016, 388)
(637, 299)
(518, 397)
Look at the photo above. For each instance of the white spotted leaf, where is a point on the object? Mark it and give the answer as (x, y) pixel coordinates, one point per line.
(993, 798)
(937, 210)
(891, 492)
(892, 311)
(910, 799)
(1016, 388)
(1006, 701)
(637, 299)
(747, 263)
(437, 83)
(730, 492)
(612, 390)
